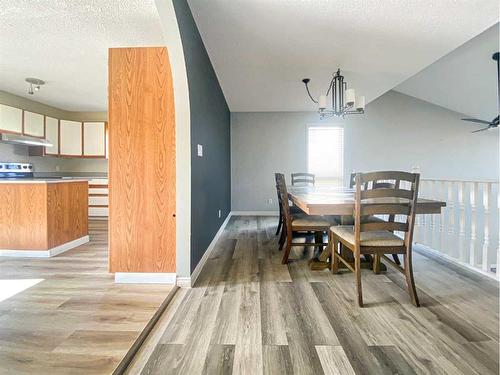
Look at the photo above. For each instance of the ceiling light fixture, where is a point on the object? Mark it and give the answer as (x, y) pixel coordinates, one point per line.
(343, 100)
(35, 84)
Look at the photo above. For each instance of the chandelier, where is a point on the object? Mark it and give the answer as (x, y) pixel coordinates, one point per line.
(343, 100)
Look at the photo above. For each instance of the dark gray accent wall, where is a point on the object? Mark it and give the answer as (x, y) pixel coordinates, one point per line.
(210, 127)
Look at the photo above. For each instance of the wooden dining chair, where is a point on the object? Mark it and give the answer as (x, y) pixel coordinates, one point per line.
(294, 225)
(307, 179)
(378, 238)
(280, 230)
(371, 218)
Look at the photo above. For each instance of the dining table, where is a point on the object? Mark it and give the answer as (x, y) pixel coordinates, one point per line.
(339, 201)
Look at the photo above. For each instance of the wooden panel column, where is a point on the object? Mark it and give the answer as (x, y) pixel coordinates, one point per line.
(141, 161)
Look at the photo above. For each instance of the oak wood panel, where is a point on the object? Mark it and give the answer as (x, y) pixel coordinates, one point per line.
(141, 161)
(23, 216)
(67, 209)
(41, 216)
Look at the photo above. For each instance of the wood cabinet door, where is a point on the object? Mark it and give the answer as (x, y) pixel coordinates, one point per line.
(52, 135)
(71, 138)
(11, 119)
(34, 124)
(94, 139)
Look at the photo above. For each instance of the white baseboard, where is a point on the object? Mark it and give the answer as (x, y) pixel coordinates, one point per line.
(44, 253)
(188, 282)
(145, 278)
(254, 213)
(432, 253)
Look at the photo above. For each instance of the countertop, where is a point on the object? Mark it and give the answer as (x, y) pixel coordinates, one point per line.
(41, 180)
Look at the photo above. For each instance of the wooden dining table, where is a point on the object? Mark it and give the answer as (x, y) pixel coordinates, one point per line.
(334, 200)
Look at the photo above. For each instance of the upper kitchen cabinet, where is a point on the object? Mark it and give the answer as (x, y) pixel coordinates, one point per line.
(71, 138)
(94, 139)
(52, 135)
(11, 119)
(34, 124)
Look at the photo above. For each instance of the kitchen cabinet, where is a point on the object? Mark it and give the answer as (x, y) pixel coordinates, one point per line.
(94, 139)
(11, 119)
(70, 133)
(34, 124)
(52, 135)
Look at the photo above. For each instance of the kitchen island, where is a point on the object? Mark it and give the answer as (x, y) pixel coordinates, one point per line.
(42, 217)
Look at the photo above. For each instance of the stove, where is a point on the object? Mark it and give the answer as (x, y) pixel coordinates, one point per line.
(16, 170)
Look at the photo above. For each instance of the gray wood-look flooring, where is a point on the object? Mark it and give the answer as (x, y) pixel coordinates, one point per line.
(76, 320)
(248, 314)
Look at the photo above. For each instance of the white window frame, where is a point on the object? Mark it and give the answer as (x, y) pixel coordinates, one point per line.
(326, 180)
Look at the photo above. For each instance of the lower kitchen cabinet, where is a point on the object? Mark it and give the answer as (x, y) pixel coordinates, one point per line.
(98, 197)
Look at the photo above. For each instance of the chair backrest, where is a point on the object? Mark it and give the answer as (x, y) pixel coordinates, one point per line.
(388, 198)
(303, 179)
(285, 208)
(374, 184)
(276, 178)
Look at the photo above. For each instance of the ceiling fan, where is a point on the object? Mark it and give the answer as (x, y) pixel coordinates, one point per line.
(493, 124)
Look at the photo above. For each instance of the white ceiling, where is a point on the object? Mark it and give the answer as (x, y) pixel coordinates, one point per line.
(261, 49)
(65, 43)
(464, 81)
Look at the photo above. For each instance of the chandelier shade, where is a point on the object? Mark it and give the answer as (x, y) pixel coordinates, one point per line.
(339, 100)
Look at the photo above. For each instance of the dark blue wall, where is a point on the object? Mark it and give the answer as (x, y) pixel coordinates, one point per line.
(210, 126)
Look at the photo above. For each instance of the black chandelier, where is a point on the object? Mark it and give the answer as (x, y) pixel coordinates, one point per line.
(343, 100)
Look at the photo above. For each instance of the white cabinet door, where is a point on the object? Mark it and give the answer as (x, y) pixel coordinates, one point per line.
(11, 119)
(52, 135)
(94, 139)
(71, 138)
(34, 124)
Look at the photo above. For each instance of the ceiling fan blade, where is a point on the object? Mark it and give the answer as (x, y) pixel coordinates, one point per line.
(476, 120)
(481, 130)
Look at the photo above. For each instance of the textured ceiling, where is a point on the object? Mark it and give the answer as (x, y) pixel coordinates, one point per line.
(65, 43)
(262, 49)
(464, 81)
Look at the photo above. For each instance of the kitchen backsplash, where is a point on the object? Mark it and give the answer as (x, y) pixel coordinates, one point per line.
(53, 165)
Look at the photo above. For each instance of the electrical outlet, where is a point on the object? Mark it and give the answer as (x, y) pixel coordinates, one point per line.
(58, 168)
(200, 150)
(220, 213)
(270, 201)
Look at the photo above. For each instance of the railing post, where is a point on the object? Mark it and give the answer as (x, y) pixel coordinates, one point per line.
(442, 237)
(451, 220)
(473, 224)
(486, 238)
(432, 218)
(461, 233)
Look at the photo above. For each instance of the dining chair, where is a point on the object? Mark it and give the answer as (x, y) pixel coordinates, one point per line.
(294, 225)
(378, 238)
(293, 209)
(303, 179)
(373, 185)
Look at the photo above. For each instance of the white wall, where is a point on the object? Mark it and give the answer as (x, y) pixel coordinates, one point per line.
(397, 132)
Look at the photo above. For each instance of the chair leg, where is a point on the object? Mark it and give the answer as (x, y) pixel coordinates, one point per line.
(357, 274)
(334, 257)
(286, 253)
(376, 263)
(396, 259)
(280, 222)
(282, 238)
(410, 281)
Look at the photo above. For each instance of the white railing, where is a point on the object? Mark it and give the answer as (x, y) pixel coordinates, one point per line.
(467, 231)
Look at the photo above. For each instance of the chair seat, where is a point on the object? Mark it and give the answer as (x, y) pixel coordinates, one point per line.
(313, 221)
(372, 239)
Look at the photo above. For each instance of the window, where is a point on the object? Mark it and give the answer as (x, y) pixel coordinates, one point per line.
(325, 153)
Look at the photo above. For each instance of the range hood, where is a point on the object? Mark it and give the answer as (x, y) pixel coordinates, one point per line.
(18, 139)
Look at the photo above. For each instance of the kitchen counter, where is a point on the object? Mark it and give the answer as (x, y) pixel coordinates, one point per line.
(42, 217)
(36, 180)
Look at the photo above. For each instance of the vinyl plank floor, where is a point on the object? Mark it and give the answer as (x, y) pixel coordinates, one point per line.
(76, 319)
(249, 314)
